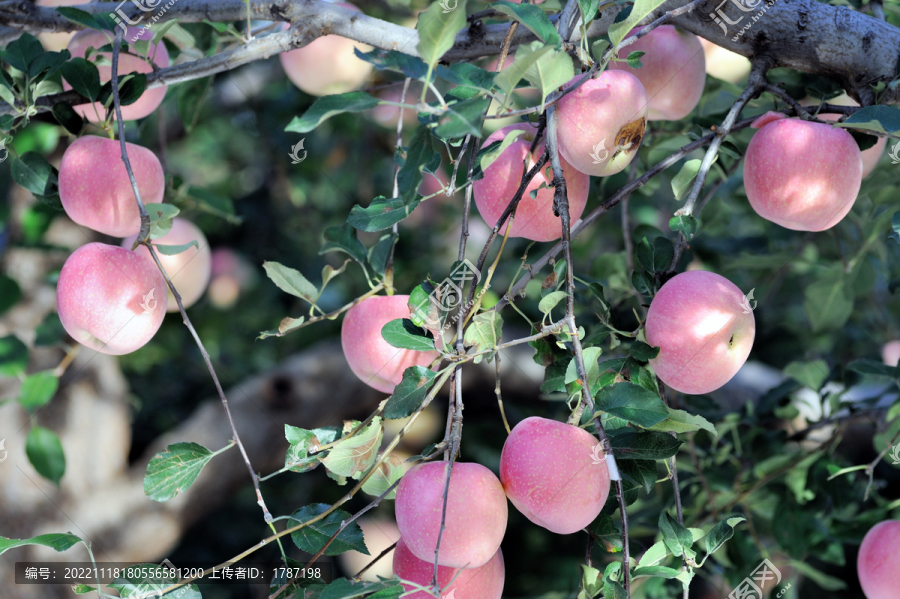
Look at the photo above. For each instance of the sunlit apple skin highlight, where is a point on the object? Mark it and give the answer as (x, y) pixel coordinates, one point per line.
(103, 298)
(878, 562)
(699, 321)
(371, 358)
(870, 156)
(553, 474)
(95, 190)
(485, 582)
(476, 513)
(801, 175)
(189, 271)
(534, 218)
(602, 123)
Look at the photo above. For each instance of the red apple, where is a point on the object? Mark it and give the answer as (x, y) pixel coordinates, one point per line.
(109, 299)
(485, 582)
(128, 63)
(95, 190)
(371, 358)
(602, 123)
(801, 175)
(553, 474)
(327, 65)
(890, 353)
(189, 271)
(476, 513)
(878, 562)
(673, 72)
(534, 218)
(704, 328)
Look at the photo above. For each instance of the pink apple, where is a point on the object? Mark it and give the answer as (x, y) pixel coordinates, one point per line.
(327, 65)
(379, 534)
(673, 72)
(878, 562)
(128, 63)
(189, 271)
(476, 513)
(534, 217)
(109, 299)
(371, 358)
(553, 474)
(801, 175)
(724, 64)
(95, 190)
(890, 353)
(231, 273)
(871, 156)
(704, 328)
(56, 41)
(485, 582)
(602, 123)
(387, 115)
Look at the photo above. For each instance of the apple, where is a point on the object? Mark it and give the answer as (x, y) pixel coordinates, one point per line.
(327, 65)
(704, 332)
(890, 353)
(109, 299)
(371, 358)
(602, 123)
(379, 534)
(534, 218)
(189, 271)
(128, 63)
(230, 274)
(476, 513)
(55, 42)
(485, 582)
(724, 64)
(553, 474)
(95, 190)
(878, 562)
(673, 72)
(800, 174)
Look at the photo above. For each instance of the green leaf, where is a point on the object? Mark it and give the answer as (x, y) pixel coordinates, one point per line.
(313, 537)
(343, 238)
(328, 106)
(131, 87)
(37, 389)
(76, 15)
(643, 282)
(682, 182)
(591, 581)
(550, 71)
(13, 356)
(422, 153)
(297, 458)
(641, 473)
(634, 60)
(592, 369)
(50, 331)
(83, 76)
(880, 119)
(291, 281)
(655, 256)
(161, 218)
(632, 445)
(612, 588)
(66, 116)
(190, 99)
(174, 250)
(873, 368)
(354, 456)
(607, 534)
(22, 52)
(381, 251)
(633, 403)
(410, 393)
(386, 474)
(659, 571)
(47, 64)
(424, 312)
(812, 374)
(381, 214)
(45, 453)
(32, 171)
(56, 541)
(827, 305)
(641, 351)
(680, 421)
(526, 57)
(437, 30)
(462, 118)
(9, 293)
(588, 10)
(549, 301)
(686, 225)
(484, 332)
(470, 79)
(411, 66)
(286, 325)
(533, 18)
(404, 334)
(720, 533)
(174, 470)
(676, 537)
(82, 589)
(641, 8)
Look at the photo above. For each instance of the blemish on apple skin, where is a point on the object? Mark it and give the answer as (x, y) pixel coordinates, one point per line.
(630, 135)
